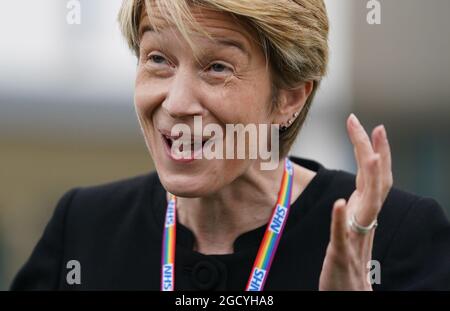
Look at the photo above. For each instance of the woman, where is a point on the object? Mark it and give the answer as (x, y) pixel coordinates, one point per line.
(226, 223)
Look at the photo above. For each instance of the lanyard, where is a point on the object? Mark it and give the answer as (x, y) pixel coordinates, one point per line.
(267, 248)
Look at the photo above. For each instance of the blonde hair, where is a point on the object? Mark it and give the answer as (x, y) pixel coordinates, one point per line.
(293, 35)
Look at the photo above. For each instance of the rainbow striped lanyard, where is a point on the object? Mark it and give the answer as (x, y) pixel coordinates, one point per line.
(266, 251)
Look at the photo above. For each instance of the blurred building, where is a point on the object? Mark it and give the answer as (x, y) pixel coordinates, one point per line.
(67, 116)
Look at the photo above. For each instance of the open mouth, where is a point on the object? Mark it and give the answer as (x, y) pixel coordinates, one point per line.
(191, 145)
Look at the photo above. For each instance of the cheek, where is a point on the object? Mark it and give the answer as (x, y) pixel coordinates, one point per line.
(148, 95)
(142, 100)
(244, 104)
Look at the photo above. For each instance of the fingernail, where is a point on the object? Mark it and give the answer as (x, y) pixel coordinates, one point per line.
(383, 132)
(354, 121)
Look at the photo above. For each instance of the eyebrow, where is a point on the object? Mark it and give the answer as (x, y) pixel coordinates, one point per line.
(227, 42)
(144, 29)
(233, 43)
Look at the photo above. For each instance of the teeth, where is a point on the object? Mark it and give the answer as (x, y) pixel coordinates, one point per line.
(185, 141)
(188, 143)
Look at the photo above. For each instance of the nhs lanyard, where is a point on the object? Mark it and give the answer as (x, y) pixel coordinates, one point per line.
(267, 248)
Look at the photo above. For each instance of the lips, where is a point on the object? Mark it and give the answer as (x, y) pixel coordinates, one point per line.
(193, 149)
(182, 140)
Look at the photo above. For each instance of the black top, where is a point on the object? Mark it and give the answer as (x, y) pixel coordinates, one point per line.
(115, 232)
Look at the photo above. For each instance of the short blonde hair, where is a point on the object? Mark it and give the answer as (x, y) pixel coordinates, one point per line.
(292, 33)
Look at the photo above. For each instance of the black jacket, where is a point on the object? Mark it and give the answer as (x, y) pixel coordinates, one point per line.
(115, 232)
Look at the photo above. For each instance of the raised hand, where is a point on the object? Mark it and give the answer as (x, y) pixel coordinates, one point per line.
(350, 246)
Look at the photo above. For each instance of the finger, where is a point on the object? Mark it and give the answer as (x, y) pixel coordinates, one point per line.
(359, 176)
(338, 236)
(372, 196)
(381, 146)
(361, 143)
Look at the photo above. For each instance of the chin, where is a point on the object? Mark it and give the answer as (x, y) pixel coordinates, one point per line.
(187, 186)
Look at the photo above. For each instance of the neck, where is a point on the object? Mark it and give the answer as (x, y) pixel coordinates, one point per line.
(245, 204)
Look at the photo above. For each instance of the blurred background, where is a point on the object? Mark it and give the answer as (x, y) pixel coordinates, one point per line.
(67, 117)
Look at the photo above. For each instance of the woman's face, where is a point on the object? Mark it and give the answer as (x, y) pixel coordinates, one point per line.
(225, 83)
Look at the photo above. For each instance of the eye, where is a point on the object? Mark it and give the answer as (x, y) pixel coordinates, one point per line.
(219, 68)
(157, 59)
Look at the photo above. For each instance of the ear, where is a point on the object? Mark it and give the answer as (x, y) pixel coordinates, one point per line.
(291, 101)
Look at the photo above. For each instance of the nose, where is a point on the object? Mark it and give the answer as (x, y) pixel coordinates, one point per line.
(182, 98)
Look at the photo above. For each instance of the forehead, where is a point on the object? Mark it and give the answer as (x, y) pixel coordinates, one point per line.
(216, 24)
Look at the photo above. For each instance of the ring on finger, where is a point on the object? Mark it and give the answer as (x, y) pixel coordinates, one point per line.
(358, 228)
